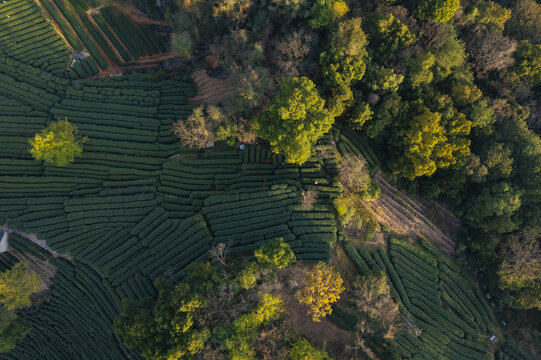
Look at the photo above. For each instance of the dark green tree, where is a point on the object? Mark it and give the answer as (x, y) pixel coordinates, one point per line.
(295, 119)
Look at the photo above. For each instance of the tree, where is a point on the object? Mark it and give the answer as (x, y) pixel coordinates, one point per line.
(489, 13)
(438, 10)
(449, 55)
(182, 43)
(520, 270)
(426, 146)
(16, 286)
(248, 276)
(528, 62)
(381, 79)
(349, 37)
(12, 328)
(525, 23)
(303, 350)
(388, 36)
(295, 119)
(165, 329)
(420, 69)
(243, 330)
(491, 208)
(353, 173)
(308, 199)
(343, 63)
(58, 144)
(372, 297)
(464, 92)
(205, 126)
(275, 254)
(319, 289)
(359, 115)
(489, 51)
(326, 13)
(481, 114)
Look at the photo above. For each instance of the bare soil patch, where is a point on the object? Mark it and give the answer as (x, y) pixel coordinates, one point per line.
(210, 90)
(407, 216)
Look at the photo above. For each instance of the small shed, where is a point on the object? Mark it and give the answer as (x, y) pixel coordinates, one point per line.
(4, 241)
(79, 56)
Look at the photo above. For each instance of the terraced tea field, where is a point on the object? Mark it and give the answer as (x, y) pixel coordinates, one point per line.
(135, 206)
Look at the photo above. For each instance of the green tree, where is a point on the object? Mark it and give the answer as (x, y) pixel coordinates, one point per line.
(420, 69)
(449, 55)
(528, 62)
(388, 36)
(360, 114)
(58, 144)
(381, 79)
(481, 114)
(16, 286)
(182, 43)
(464, 92)
(427, 146)
(248, 276)
(489, 13)
(165, 329)
(343, 63)
(303, 350)
(12, 328)
(525, 23)
(295, 119)
(492, 207)
(385, 113)
(438, 10)
(326, 13)
(275, 253)
(244, 329)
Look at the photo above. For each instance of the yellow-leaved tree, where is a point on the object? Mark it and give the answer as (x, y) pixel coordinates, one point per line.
(58, 144)
(319, 290)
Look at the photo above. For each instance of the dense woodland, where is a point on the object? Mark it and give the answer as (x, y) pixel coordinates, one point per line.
(204, 248)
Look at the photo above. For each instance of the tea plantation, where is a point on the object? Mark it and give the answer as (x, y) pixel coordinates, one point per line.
(135, 206)
(454, 318)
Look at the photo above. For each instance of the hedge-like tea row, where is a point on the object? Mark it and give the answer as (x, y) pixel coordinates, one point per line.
(76, 320)
(26, 36)
(431, 291)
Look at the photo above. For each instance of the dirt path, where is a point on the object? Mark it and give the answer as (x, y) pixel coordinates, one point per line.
(406, 216)
(57, 27)
(115, 50)
(137, 15)
(210, 90)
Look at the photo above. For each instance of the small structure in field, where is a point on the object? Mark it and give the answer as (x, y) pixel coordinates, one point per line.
(4, 241)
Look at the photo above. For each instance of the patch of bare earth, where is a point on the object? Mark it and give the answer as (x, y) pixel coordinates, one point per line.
(405, 215)
(210, 90)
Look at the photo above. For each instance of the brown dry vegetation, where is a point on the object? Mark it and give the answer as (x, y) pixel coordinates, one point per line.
(210, 90)
(411, 217)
